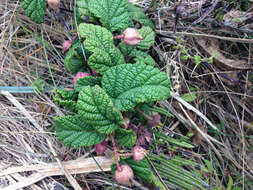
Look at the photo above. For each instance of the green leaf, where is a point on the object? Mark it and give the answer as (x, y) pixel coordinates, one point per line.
(125, 137)
(97, 109)
(100, 41)
(74, 132)
(87, 81)
(143, 57)
(141, 169)
(113, 14)
(137, 14)
(189, 97)
(73, 62)
(35, 9)
(130, 84)
(149, 38)
(66, 98)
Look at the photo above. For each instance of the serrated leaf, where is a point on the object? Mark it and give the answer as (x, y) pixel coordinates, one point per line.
(125, 137)
(137, 14)
(97, 110)
(149, 38)
(113, 14)
(66, 99)
(73, 62)
(130, 84)
(87, 81)
(35, 9)
(100, 41)
(74, 132)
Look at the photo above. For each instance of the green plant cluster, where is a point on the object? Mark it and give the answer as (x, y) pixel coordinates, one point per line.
(125, 78)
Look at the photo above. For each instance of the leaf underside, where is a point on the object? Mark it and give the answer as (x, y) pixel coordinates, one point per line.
(35, 9)
(99, 41)
(130, 84)
(97, 110)
(74, 132)
(113, 14)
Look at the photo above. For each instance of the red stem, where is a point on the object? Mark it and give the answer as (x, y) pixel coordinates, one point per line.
(115, 152)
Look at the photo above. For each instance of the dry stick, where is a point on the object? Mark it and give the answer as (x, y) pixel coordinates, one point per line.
(171, 33)
(81, 165)
(12, 99)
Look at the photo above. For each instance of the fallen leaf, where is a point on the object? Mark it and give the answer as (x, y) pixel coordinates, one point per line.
(211, 47)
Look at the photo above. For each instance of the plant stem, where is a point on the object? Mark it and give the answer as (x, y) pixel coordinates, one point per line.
(115, 152)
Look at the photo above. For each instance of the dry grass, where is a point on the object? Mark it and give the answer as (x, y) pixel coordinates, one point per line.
(29, 51)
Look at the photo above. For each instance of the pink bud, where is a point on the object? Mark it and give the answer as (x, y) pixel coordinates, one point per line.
(95, 73)
(101, 147)
(54, 4)
(66, 45)
(131, 36)
(139, 153)
(124, 175)
(80, 75)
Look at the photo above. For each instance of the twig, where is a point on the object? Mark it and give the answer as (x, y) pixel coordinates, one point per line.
(171, 33)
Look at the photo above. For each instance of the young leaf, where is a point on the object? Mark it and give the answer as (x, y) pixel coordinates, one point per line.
(97, 110)
(87, 81)
(113, 14)
(130, 84)
(125, 137)
(74, 132)
(137, 14)
(66, 99)
(149, 38)
(35, 9)
(100, 41)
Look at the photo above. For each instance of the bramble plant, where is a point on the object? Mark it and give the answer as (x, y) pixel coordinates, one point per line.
(115, 77)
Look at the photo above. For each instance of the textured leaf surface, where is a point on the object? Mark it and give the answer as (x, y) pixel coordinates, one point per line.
(125, 137)
(87, 81)
(149, 38)
(97, 110)
(137, 14)
(100, 41)
(130, 84)
(66, 99)
(113, 14)
(73, 62)
(35, 9)
(74, 132)
(142, 57)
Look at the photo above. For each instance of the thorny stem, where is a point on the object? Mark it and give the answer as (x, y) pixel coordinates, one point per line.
(115, 152)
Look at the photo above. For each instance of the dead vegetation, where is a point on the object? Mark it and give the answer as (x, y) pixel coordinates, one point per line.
(205, 47)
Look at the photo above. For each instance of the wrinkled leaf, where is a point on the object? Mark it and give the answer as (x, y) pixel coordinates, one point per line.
(113, 14)
(87, 81)
(130, 84)
(35, 9)
(97, 109)
(148, 38)
(74, 132)
(125, 137)
(100, 41)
